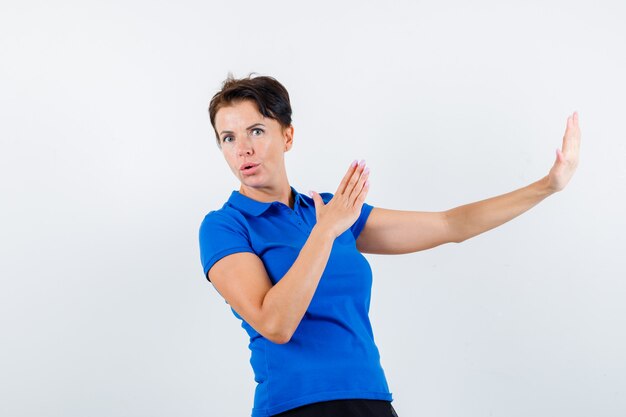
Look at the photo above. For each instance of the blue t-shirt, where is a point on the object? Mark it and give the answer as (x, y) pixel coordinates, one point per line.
(332, 354)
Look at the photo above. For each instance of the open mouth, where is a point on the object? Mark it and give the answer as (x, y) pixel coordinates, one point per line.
(250, 169)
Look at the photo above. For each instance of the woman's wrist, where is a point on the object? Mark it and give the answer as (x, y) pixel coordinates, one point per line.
(324, 232)
(545, 187)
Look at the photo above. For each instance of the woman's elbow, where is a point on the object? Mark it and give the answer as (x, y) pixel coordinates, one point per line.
(281, 339)
(277, 332)
(279, 336)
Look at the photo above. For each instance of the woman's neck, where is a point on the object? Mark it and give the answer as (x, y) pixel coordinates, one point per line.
(269, 195)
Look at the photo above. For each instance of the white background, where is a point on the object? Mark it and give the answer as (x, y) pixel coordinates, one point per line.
(108, 165)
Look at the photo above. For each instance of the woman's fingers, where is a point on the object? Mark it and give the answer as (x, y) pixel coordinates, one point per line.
(358, 186)
(363, 193)
(346, 178)
(352, 185)
(576, 126)
(571, 138)
(354, 180)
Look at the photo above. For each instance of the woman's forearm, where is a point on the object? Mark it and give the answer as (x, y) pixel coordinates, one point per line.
(286, 302)
(473, 219)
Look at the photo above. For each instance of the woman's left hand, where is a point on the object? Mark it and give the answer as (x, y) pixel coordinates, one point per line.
(567, 157)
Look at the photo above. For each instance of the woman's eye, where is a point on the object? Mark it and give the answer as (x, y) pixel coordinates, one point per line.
(225, 138)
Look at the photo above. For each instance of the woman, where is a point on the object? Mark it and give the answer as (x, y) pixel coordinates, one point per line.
(291, 266)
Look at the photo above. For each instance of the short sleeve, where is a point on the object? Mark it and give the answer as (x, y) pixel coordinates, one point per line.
(359, 224)
(220, 236)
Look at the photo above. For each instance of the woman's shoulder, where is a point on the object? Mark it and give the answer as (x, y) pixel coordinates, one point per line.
(225, 216)
(219, 230)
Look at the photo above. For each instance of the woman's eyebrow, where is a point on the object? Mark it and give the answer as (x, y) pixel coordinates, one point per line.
(247, 128)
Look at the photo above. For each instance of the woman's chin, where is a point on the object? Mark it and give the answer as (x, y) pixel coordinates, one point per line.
(251, 181)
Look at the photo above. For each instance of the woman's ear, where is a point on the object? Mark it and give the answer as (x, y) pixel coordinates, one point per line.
(288, 135)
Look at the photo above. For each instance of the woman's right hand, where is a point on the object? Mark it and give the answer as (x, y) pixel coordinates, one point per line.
(345, 207)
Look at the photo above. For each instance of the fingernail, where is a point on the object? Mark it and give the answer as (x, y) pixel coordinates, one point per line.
(353, 164)
(362, 162)
(366, 170)
(367, 183)
(310, 193)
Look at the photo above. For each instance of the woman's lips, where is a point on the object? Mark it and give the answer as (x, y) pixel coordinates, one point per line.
(250, 171)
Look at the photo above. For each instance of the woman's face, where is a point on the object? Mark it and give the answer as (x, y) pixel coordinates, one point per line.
(248, 138)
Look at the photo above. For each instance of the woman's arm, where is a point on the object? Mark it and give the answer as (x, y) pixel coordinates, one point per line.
(396, 232)
(275, 311)
(473, 219)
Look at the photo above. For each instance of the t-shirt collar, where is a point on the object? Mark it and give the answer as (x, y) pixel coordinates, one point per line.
(256, 208)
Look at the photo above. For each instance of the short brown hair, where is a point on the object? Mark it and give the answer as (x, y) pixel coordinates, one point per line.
(270, 96)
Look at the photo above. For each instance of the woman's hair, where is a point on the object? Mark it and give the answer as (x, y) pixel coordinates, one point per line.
(270, 96)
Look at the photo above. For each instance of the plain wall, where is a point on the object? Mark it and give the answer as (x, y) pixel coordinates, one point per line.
(108, 165)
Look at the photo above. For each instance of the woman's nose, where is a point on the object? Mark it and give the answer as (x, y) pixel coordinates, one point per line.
(244, 147)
